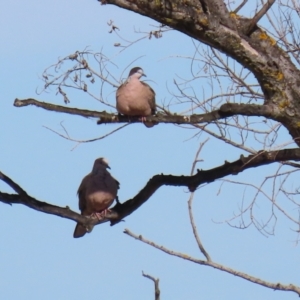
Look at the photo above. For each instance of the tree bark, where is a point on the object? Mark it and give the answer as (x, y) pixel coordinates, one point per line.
(210, 22)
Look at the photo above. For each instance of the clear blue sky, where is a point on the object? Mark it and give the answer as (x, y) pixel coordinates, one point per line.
(39, 259)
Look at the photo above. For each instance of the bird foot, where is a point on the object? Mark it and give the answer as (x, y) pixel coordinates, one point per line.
(142, 119)
(100, 215)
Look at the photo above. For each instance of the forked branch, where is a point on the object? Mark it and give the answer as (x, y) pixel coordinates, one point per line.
(209, 263)
(226, 110)
(120, 211)
(259, 15)
(156, 285)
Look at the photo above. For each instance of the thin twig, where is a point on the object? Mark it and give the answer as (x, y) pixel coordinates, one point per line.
(273, 286)
(259, 15)
(190, 209)
(86, 141)
(240, 6)
(156, 285)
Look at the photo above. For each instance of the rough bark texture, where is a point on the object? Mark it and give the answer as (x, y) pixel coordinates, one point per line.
(120, 211)
(209, 22)
(226, 110)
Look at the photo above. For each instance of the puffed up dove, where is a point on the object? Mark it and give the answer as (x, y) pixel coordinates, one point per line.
(135, 97)
(96, 193)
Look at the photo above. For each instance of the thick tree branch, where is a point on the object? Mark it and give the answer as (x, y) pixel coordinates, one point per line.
(216, 9)
(210, 23)
(23, 198)
(120, 211)
(226, 110)
(203, 176)
(216, 27)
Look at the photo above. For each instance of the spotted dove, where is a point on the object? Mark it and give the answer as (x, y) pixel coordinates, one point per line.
(135, 97)
(96, 193)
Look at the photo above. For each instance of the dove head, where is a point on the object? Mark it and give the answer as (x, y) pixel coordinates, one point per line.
(136, 72)
(100, 163)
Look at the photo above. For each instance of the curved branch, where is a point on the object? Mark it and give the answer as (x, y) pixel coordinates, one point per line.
(218, 9)
(274, 286)
(12, 184)
(120, 211)
(211, 23)
(203, 176)
(190, 210)
(23, 198)
(226, 110)
(156, 285)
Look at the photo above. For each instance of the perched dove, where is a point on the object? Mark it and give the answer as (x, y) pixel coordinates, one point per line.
(96, 193)
(135, 97)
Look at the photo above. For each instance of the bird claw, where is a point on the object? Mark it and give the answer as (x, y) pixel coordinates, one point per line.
(142, 119)
(100, 215)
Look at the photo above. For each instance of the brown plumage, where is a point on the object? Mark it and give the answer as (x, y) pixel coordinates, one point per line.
(96, 193)
(135, 97)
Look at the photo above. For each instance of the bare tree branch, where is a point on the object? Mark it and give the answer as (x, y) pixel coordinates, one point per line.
(156, 285)
(211, 23)
(226, 110)
(59, 108)
(120, 211)
(190, 203)
(240, 6)
(209, 263)
(67, 137)
(12, 184)
(245, 65)
(23, 198)
(259, 15)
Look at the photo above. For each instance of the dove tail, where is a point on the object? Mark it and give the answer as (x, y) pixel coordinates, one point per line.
(79, 231)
